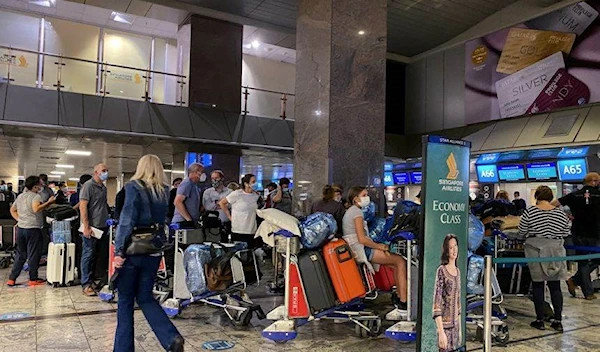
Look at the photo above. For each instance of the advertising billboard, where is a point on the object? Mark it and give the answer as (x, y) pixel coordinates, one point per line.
(443, 265)
(547, 63)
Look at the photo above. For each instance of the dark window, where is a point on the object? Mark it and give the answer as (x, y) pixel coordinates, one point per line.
(395, 97)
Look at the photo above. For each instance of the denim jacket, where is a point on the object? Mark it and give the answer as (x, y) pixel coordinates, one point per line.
(138, 212)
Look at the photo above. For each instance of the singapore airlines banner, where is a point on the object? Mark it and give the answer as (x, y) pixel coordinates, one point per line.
(547, 63)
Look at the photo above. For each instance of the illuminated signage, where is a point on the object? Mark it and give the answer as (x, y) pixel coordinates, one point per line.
(572, 169)
(388, 179)
(490, 158)
(573, 152)
(487, 173)
(401, 178)
(511, 172)
(416, 177)
(541, 171)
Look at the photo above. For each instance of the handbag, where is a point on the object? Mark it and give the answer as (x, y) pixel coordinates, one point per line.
(145, 240)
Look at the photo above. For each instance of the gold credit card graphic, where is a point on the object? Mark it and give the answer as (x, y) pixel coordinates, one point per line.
(525, 47)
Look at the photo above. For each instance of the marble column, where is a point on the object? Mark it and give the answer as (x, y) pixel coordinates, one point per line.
(339, 133)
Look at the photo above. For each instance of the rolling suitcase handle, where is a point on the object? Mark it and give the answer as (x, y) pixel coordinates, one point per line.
(343, 253)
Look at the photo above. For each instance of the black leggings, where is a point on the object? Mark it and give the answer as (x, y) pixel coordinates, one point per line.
(555, 296)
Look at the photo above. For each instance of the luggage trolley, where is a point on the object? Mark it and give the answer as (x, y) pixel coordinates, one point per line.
(405, 329)
(161, 288)
(295, 311)
(233, 300)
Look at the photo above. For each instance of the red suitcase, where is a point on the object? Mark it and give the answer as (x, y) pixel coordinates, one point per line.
(343, 270)
(385, 280)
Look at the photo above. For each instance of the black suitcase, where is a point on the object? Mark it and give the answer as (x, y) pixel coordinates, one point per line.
(317, 284)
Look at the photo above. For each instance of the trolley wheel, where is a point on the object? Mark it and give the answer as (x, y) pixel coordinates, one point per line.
(4, 263)
(281, 342)
(243, 318)
(375, 326)
(502, 336)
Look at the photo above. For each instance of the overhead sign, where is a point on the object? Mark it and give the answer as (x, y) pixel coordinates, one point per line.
(442, 283)
(416, 177)
(572, 170)
(388, 179)
(543, 154)
(487, 173)
(490, 158)
(401, 178)
(573, 152)
(511, 172)
(511, 156)
(541, 171)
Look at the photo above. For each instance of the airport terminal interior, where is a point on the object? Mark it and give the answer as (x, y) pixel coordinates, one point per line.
(442, 123)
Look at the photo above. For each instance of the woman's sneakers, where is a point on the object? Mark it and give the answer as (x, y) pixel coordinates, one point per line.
(557, 325)
(38, 282)
(11, 283)
(399, 304)
(538, 324)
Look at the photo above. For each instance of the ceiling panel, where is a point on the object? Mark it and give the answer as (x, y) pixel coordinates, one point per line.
(138, 8)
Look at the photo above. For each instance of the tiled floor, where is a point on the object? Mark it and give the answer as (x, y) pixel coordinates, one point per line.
(63, 319)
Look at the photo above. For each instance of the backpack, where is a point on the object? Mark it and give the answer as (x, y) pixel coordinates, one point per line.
(218, 272)
(407, 222)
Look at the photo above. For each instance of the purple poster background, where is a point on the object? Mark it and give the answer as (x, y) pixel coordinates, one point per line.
(482, 55)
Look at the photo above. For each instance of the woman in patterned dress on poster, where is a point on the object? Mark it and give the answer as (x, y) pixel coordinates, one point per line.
(447, 297)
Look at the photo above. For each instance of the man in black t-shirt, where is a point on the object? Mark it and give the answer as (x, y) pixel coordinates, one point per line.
(585, 207)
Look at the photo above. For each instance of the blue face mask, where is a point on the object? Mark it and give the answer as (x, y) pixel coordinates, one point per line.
(254, 186)
(104, 176)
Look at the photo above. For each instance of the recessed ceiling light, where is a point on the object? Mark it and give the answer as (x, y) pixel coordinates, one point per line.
(57, 172)
(178, 172)
(167, 171)
(78, 152)
(361, 32)
(122, 18)
(74, 179)
(248, 46)
(45, 3)
(54, 176)
(64, 166)
(255, 44)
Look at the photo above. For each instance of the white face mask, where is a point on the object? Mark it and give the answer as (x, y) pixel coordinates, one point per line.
(338, 199)
(203, 177)
(364, 201)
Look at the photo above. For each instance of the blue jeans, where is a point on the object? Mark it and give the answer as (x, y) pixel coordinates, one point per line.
(135, 282)
(585, 268)
(94, 259)
(29, 248)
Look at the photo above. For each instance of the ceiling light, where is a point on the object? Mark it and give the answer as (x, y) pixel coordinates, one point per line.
(74, 179)
(167, 171)
(64, 166)
(57, 172)
(361, 32)
(45, 3)
(318, 112)
(122, 18)
(54, 176)
(78, 152)
(248, 46)
(255, 44)
(178, 172)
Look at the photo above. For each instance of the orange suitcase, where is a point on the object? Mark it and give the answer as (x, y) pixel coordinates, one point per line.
(343, 270)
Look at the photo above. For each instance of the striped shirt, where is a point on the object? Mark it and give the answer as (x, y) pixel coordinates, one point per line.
(552, 224)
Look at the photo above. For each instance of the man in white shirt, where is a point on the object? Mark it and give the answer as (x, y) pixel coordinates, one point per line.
(212, 197)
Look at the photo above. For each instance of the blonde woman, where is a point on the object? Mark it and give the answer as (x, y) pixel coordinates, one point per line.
(146, 203)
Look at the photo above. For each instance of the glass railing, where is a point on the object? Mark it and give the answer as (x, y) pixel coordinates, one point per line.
(69, 74)
(267, 103)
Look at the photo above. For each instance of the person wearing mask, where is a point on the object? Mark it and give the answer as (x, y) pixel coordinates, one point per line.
(11, 191)
(46, 194)
(282, 200)
(337, 194)
(585, 208)
(213, 195)
(502, 195)
(93, 207)
(28, 212)
(187, 201)
(519, 203)
(271, 187)
(242, 215)
(172, 195)
(330, 206)
(145, 205)
(61, 194)
(365, 250)
(544, 226)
